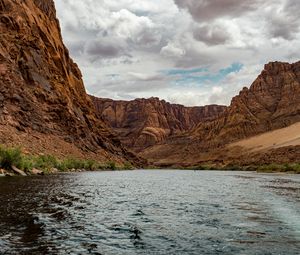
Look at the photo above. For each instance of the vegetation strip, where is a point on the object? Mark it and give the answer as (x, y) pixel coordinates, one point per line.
(14, 162)
(268, 168)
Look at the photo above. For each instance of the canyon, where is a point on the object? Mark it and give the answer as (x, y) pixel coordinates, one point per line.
(44, 108)
(207, 134)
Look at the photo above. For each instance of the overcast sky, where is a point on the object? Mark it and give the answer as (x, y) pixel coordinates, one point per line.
(192, 52)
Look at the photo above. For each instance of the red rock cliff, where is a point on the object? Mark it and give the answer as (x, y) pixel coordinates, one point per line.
(144, 122)
(271, 102)
(43, 103)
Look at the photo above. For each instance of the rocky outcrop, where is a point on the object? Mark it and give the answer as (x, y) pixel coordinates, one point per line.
(271, 102)
(145, 122)
(43, 103)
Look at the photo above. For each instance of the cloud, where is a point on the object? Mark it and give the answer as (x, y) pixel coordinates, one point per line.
(284, 22)
(172, 50)
(146, 77)
(105, 49)
(211, 35)
(177, 49)
(206, 10)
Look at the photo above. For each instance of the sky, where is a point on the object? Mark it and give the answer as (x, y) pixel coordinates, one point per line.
(191, 52)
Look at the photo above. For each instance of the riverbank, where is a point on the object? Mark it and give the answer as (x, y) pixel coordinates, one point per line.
(293, 168)
(15, 163)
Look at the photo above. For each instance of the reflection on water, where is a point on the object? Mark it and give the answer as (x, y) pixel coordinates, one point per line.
(151, 212)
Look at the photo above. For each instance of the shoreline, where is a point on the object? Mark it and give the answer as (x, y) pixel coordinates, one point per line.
(15, 163)
(9, 174)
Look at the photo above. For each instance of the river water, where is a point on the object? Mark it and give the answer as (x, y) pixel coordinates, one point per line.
(151, 212)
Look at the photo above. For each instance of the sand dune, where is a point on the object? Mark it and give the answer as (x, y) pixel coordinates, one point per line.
(289, 136)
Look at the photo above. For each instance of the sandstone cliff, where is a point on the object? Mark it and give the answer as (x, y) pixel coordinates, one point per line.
(145, 122)
(43, 103)
(271, 102)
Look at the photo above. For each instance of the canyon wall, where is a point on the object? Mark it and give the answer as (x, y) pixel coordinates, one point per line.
(43, 103)
(272, 102)
(142, 123)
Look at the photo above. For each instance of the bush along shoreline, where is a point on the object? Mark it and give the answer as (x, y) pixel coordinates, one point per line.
(293, 168)
(13, 163)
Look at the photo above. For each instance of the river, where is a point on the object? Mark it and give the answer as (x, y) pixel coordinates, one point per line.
(151, 212)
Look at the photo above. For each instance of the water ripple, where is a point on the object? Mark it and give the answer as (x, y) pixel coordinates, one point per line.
(151, 212)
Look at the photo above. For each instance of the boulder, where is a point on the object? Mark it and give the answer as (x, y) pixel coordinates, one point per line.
(54, 170)
(2, 172)
(18, 171)
(37, 172)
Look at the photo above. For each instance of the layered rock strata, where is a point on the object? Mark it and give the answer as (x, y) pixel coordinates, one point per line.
(43, 103)
(142, 123)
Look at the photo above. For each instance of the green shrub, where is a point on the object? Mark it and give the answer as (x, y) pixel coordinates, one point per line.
(233, 167)
(13, 157)
(200, 167)
(90, 165)
(71, 163)
(45, 162)
(297, 168)
(27, 164)
(207, 167)
(292, 168)
(10, 157)
(127, 166)
(272, 168)
(111, 165)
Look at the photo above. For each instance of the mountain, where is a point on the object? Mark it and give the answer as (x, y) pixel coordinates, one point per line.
(142, 123)
(43, 103)
(272, 102)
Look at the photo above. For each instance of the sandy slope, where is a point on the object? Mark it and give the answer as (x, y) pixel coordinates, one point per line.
(289, 136)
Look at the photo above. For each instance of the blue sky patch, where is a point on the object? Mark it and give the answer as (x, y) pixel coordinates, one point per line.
(202, 75)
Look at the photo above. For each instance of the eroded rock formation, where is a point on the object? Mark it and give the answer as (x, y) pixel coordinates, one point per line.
(43, 103)
(271, 102)
(145, 122)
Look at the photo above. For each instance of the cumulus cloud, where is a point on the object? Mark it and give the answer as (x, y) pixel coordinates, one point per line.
(172, 50)
(284, 22)
(104, 48)
(128, 48)
(205, 10)
(211, 35)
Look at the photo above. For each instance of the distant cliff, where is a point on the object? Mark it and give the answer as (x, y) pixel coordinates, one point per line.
(145, 122)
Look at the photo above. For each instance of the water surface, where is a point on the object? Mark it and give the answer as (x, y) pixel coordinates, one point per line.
(151, 212)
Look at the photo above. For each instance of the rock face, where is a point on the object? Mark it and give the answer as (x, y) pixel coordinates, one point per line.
(145, 122)
(271, 102)
(43, 103)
